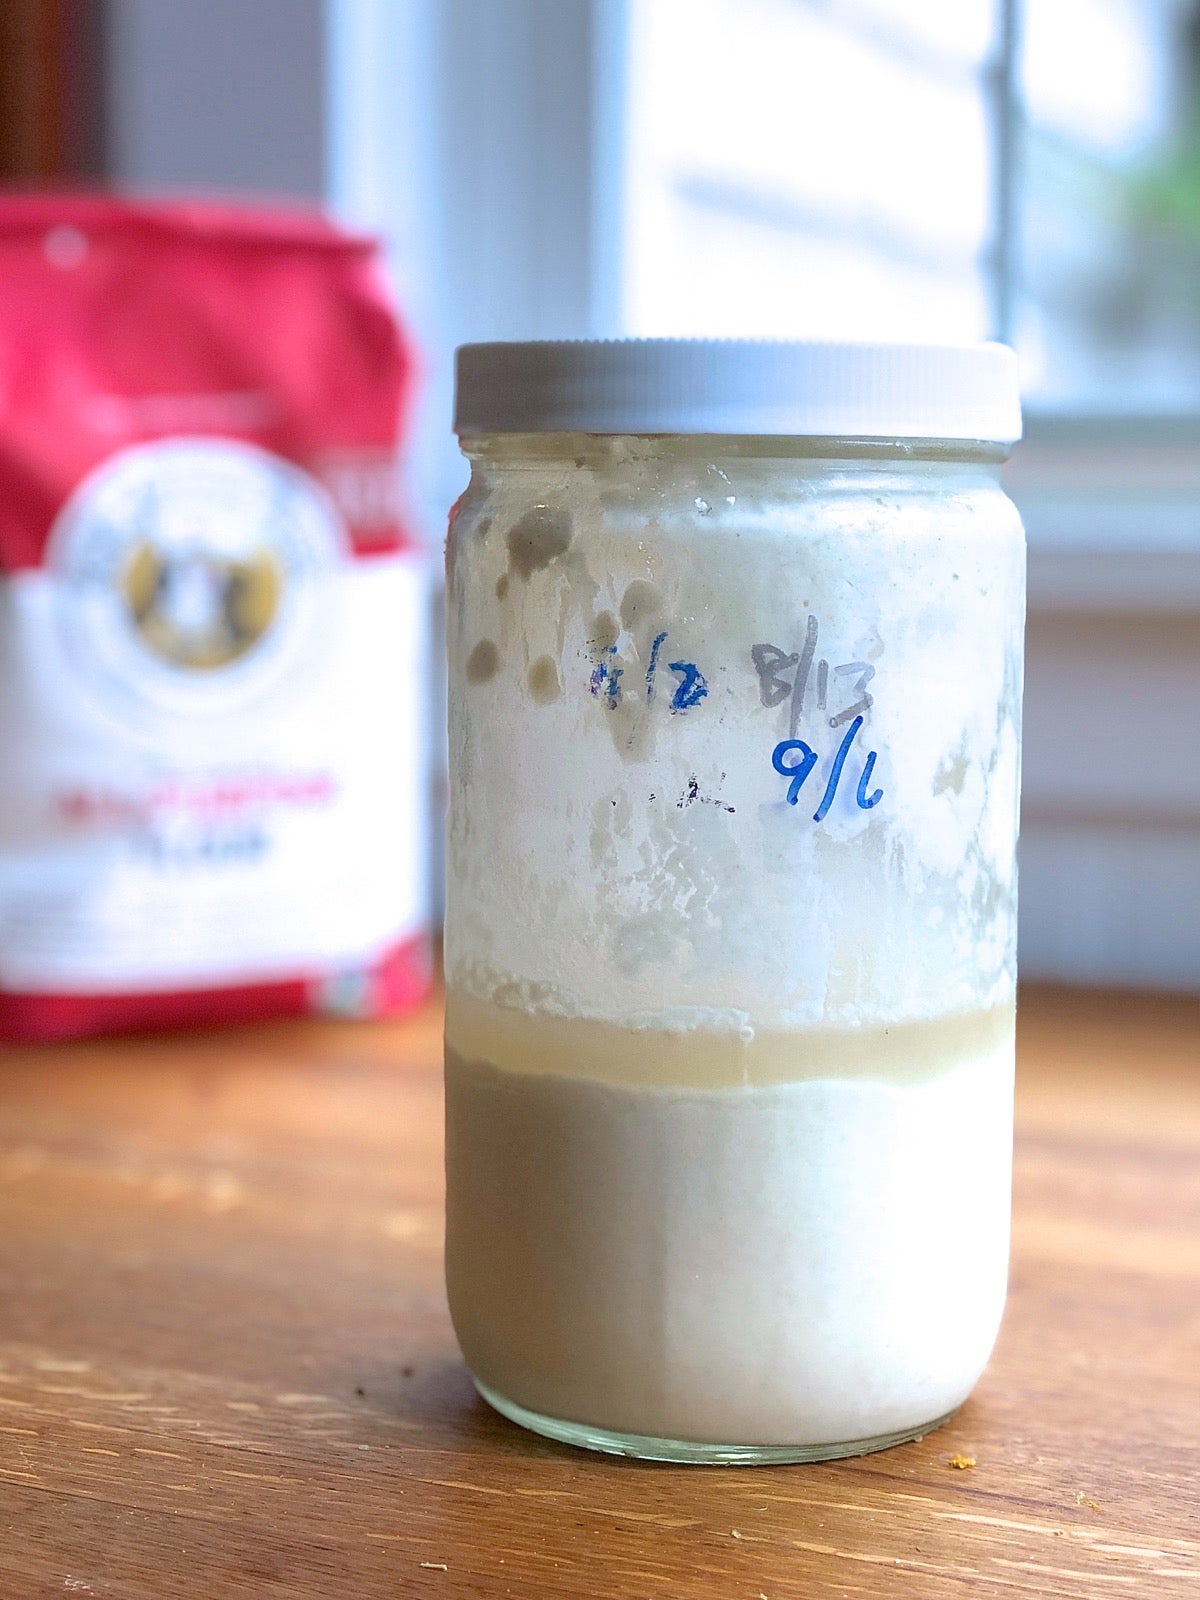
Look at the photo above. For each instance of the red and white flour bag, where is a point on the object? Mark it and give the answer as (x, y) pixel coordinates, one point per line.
(211, 623)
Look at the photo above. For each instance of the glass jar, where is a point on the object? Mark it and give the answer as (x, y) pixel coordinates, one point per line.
(735, 657)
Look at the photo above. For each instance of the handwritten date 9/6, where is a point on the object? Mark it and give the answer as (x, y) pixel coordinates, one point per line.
(795, 760)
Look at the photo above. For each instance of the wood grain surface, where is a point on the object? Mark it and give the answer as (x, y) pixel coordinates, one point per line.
(226, 1367)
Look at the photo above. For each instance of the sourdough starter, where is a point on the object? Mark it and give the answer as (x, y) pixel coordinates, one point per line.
(798, 1262)
(729, 1043)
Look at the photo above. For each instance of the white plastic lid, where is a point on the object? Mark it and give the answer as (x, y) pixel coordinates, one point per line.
(735, 386)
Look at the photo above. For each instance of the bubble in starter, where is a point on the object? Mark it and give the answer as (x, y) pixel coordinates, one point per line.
(544, 686)
(483, 662)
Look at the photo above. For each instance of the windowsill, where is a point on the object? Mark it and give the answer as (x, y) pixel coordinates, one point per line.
(1112, 509)
(1082, 581)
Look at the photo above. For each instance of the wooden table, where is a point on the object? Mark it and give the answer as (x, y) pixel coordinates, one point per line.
(226, 1367)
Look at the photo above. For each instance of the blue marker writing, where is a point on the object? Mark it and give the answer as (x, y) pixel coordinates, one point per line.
(835, 773)
(692, 687)
(652, 665)
(797, 771)
(865, 800)
(606, 677)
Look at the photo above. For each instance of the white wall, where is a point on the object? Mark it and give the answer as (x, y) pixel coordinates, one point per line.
(216, 95)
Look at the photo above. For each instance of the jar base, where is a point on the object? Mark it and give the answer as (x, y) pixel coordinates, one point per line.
(645, 1447)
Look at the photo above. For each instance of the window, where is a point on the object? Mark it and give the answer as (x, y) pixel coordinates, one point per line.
(1109, 217)
(923, 169)
(822, 169)
(953, 169)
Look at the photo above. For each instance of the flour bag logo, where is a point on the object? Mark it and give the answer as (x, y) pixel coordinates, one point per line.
(191, 573)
